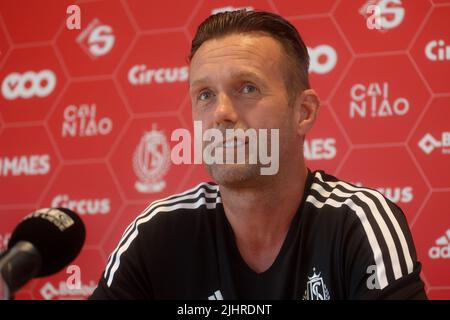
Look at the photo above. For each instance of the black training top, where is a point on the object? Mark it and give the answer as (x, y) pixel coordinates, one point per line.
(345, 242)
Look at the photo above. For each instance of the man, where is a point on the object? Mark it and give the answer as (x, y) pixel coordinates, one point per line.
(295, 234)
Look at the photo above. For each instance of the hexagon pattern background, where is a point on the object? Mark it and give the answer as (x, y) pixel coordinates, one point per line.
(86, 115)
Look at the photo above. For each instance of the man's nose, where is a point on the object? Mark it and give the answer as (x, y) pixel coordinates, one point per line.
(225, 110)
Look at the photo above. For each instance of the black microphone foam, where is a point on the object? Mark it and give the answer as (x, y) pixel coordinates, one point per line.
(57, 234)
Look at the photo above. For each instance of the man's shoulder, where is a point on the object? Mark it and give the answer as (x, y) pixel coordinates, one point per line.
(330, 195)
(357, 211)
(195, 203)
(328, 190)
(374, 230)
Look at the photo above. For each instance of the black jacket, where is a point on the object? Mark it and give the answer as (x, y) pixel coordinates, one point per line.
(345, 242)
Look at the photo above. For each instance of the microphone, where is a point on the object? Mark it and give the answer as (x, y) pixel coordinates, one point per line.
(43, 243)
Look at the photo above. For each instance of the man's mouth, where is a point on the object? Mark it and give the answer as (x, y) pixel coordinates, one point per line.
(233, 143)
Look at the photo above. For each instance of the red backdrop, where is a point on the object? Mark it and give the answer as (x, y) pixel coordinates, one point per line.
(78, 106)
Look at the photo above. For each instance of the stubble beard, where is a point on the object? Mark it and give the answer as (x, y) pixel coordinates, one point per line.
(235, 175)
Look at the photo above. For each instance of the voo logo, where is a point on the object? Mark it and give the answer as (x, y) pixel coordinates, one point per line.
(28, 84)
(323, 59)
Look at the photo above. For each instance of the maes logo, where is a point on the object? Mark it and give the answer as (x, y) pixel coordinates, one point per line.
(320, 149)
(28, 165)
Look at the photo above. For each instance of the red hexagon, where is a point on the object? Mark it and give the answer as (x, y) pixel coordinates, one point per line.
(30, 81)
(431, 50)
(325, 145)
(211, 7)
(89, 190)
(27, 161)
(154, 76)
(151, 15)
(327, 51)
(23, 294)
(391, 171)
(142, 160)
(86, 121)
(430, 143)
(126, 216)
(440, 1)
(293, 8)
(197, 172)
(63, 285)
(10, 218)
(98, 47)
(439, 294)
(33, 20)
(398, 21)
(374, 102)
(4, 44)
(432, 238)
(185, 112)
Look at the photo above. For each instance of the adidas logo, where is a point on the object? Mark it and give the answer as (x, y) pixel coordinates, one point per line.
(442, 248)
(217, 295)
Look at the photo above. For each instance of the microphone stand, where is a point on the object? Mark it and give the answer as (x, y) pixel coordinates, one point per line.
(18, 265)
(4, 289)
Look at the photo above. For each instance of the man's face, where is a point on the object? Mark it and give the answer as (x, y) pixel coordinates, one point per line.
(237, 82)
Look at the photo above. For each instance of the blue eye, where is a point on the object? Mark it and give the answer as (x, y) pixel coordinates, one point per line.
(248, 88)
(204, 95)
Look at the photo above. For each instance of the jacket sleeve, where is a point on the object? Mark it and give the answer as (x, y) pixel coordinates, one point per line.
(125, 276)
(380, 257)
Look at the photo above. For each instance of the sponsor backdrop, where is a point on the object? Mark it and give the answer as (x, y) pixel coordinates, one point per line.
(86, 115)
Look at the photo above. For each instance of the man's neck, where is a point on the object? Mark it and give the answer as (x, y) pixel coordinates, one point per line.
(260, 217)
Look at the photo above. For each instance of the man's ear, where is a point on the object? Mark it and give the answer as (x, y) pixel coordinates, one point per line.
(307, 106)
